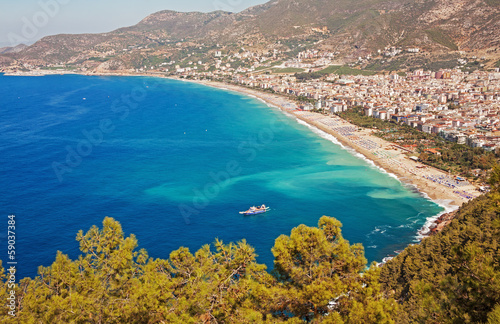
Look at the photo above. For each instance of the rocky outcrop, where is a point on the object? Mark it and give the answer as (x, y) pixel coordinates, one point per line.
(439, 224)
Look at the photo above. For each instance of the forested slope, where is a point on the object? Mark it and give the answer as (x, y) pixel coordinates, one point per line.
(452, 277)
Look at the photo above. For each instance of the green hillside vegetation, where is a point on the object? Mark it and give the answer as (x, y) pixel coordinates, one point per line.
(457, 158)
(452, 277)
(306, 76)
(318, 277)
(100, 59)
(287, 70)
(335, 69)
(440, 37)
(354, 28)
(331, 69)
(345, 70)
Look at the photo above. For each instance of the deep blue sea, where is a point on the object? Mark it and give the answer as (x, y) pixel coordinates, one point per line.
(175, 162)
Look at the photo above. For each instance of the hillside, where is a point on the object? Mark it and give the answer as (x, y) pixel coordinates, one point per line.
(14, 49)
(454, 276)
(350, 28)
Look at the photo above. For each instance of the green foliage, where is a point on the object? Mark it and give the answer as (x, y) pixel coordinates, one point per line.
(435, 65)
(319, 273)
(287, 70)
(494, 315)
(494, 180)
(304, 99)
(454, 276)
(439, 36)
(394, 64)
(330, 69)
(308, 76)
(345, 70)
(318, 277)
(460, 158)
(111, 282)
(457, 158)
(357, 117)
(4, 293)
(100, 59)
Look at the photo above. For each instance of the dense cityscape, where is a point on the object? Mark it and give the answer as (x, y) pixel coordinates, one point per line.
(460, 106)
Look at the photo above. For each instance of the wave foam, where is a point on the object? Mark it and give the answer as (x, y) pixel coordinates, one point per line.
(353, 152)
(321, 133)
(448, 208)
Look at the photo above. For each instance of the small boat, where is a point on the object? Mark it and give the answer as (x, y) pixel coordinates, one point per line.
(255, 210)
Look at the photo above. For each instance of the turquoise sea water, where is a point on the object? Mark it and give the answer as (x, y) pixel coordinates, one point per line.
(175, 162)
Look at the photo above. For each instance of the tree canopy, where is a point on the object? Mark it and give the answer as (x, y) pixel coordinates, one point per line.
(318, 277)
(452, 277)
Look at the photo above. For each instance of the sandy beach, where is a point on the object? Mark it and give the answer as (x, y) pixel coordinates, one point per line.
(437, 185)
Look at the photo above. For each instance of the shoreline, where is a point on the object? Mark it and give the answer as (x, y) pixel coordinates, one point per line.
(399, 166)
(383, 155)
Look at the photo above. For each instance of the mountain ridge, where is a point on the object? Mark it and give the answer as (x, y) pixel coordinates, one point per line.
(350, 28)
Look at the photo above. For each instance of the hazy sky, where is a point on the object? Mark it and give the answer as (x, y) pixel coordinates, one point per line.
(29, 20)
